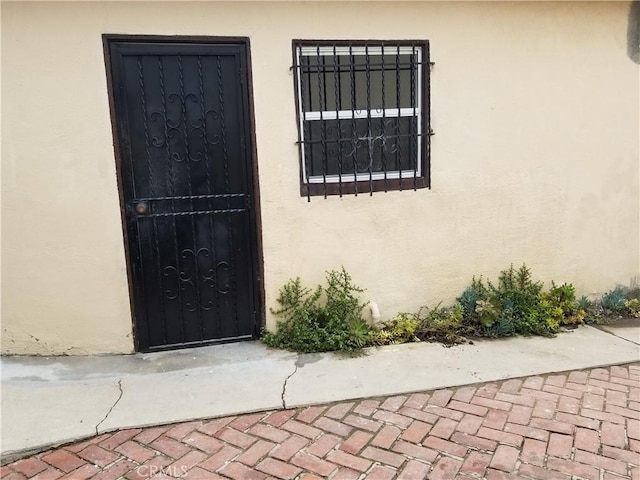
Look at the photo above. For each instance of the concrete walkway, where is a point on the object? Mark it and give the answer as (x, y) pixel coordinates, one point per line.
(51, 401)
(582, 424)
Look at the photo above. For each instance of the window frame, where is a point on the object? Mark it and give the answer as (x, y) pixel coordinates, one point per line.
(340, 184)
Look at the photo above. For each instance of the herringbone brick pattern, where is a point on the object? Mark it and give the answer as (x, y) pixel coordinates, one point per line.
(577, 425)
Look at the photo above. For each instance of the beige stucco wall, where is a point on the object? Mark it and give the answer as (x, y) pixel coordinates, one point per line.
(535, 158)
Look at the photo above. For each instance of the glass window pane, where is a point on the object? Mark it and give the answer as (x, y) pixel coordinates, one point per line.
(355, 82)
(359, 146)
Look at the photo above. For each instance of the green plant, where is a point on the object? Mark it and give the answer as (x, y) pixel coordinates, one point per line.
(359, 334)
(330, 318)
(342, 296)
(632, 298)
(400, 329)
(584, 303)
(320, 320)
(478, 312)
(295, 299)
(487, 312)
(562, 305)
(633, 307)
(469, 301)
(613, 301)
(594, 313)
(438, 324)
(621, 301)
(441, 324)
(515, 305)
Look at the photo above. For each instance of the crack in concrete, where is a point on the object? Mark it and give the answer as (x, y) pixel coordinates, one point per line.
(112, 406)
(622, 338)
(284, 385)
(618, 336)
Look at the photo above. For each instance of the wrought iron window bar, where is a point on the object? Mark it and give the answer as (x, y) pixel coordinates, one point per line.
(363, 116)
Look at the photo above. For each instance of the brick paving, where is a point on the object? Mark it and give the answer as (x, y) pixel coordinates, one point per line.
(576, 425)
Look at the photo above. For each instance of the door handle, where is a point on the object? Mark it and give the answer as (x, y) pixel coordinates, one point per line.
(142, 208)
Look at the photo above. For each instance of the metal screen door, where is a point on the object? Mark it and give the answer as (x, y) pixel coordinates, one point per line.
(181, 116)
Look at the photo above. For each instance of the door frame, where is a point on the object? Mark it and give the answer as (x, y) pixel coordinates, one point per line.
(255, 242)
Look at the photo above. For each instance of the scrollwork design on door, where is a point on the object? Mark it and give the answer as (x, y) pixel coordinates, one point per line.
(164, 129)
(173, 277)
(199, 127)
(182, 282)
(224, 267)
(187, 283)
(180, 285)
(207, 278)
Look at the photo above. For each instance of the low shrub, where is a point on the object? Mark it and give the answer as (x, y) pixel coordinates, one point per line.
(400, 329)
(441, 324)
(515, 306)
(330, 318)
(320, 320)
(613, 301)
(563, 305)
(632, 300)
(620, 302)
(584, 303)
(633, 307)
(433, 325)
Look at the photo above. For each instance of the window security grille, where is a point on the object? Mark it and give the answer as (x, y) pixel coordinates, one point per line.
(363, 112)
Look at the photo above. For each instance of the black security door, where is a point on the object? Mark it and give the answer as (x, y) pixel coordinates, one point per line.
(185, 166)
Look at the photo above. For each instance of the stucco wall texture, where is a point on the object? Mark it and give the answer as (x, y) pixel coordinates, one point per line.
(535, 158)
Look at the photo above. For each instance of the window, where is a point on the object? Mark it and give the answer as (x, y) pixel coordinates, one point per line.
(363, 116)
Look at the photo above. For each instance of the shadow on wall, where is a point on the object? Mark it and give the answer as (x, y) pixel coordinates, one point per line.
(633, 32)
